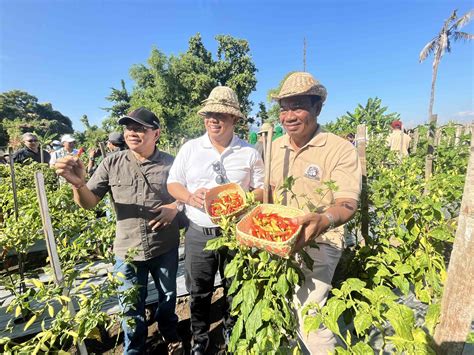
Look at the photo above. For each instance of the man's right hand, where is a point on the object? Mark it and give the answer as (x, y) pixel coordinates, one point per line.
(72, 169)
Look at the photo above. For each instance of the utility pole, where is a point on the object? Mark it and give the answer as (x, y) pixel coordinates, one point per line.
(304, 54)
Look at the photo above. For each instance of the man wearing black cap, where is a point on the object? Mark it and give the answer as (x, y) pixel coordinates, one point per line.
(146, 223)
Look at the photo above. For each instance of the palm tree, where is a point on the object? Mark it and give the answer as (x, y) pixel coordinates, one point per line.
(442, 43)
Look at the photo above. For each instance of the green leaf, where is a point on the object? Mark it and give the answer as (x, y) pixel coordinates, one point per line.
(249, 294)
(432, 316)
(282, 285)
(231, 268)
(254, 321)
(362, 349)
(311, 323)
(333, 310)
(354, 284)
(402, 284)
(236, 332)
(403, 269)
(362, 321)
(402, 320)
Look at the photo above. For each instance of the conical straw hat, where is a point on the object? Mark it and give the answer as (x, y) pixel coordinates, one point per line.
(299, 84)
(222, 99)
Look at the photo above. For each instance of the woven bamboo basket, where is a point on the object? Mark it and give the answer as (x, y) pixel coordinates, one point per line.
(283, 249)
(215, 192)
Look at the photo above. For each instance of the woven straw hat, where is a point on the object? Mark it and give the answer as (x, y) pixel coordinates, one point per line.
(299, 84)
(265, 127)
(222, 99)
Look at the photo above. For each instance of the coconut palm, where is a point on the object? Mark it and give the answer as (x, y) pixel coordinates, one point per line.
(442, 43)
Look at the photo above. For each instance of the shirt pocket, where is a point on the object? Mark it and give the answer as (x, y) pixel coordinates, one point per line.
(158, 186)
(123, 190)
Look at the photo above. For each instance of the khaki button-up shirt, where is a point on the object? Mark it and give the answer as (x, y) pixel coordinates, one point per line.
(326, 157)
(134, 199)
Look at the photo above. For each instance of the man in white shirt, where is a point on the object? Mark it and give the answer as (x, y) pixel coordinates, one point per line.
(213, 159)
(68, 143)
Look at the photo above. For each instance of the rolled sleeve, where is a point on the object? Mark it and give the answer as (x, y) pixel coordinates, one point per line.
(258, 172)
(99, 182)
(347, 175)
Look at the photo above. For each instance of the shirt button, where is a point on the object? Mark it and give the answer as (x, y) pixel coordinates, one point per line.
(141, 209)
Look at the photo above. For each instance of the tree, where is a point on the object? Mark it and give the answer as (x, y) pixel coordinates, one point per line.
(262, 113)
(373, 115)
(20, 112)
(92, 135)
(121, 99)
(442, 43)
(174, 86)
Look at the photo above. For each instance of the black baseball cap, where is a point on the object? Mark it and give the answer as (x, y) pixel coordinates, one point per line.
(142, 116)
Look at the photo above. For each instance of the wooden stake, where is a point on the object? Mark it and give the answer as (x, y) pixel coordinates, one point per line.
(51, 244)
(267, 191)
(457, 138)
(430, 152)
(361, 140)
(12, 174)
(416, 137)
(457, 304)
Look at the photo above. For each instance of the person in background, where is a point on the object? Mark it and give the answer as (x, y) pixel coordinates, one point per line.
(115, 143)
(30, 151)
(146, 223)
(253, 138)
(216, 158)
(55, 146)
(278, 132)
(264, 129)
(313, 157)
(397, 140)
(68, 142)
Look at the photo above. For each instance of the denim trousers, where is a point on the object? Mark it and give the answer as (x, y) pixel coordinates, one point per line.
(163, 269)
(201, 267)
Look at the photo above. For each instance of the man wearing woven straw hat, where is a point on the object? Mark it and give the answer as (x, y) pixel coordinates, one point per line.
(314, 157)
(216, 158)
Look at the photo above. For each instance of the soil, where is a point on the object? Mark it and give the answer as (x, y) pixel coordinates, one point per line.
(112, 341)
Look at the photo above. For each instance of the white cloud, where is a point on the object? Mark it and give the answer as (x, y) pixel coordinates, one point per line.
(465, 114)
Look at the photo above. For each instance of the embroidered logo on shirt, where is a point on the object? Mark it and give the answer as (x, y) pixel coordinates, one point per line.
(313, 172)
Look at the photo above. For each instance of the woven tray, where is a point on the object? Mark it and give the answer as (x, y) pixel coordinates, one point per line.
(213, 193)
(283, 249)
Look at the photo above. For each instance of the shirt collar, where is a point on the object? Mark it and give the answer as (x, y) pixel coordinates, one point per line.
(235, 143)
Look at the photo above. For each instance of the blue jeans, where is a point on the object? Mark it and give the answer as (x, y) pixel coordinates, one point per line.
(163, 269)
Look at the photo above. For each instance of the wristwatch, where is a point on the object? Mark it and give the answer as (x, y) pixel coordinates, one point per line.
(179, 206)
(332, 222)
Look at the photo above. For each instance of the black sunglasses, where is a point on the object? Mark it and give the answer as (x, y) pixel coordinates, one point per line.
(221, 178)
(31, 140)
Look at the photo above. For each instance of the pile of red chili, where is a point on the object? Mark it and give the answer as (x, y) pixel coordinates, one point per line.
(226, 204)
(271, 226)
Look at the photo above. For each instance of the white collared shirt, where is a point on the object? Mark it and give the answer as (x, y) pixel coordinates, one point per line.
(193, 169)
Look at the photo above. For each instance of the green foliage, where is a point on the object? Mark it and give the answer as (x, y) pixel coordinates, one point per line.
(20, 112)
(121, 99)
(174, 86)
(373, 115)
(82, 238)
(262, 290)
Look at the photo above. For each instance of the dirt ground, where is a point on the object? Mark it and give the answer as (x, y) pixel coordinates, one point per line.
(112, 345)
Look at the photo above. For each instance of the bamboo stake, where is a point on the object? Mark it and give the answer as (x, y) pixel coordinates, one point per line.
(51, 245)
(430, 152)
(361, 140)
(457, 304)
(267, 191)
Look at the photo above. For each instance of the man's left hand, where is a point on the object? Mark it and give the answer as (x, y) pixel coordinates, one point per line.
(166, 214)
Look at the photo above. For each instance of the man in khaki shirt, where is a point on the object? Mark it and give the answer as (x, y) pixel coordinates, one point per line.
(397, 140)
(327, 185)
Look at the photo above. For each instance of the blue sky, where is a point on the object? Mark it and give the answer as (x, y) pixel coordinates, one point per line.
(70, 53)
